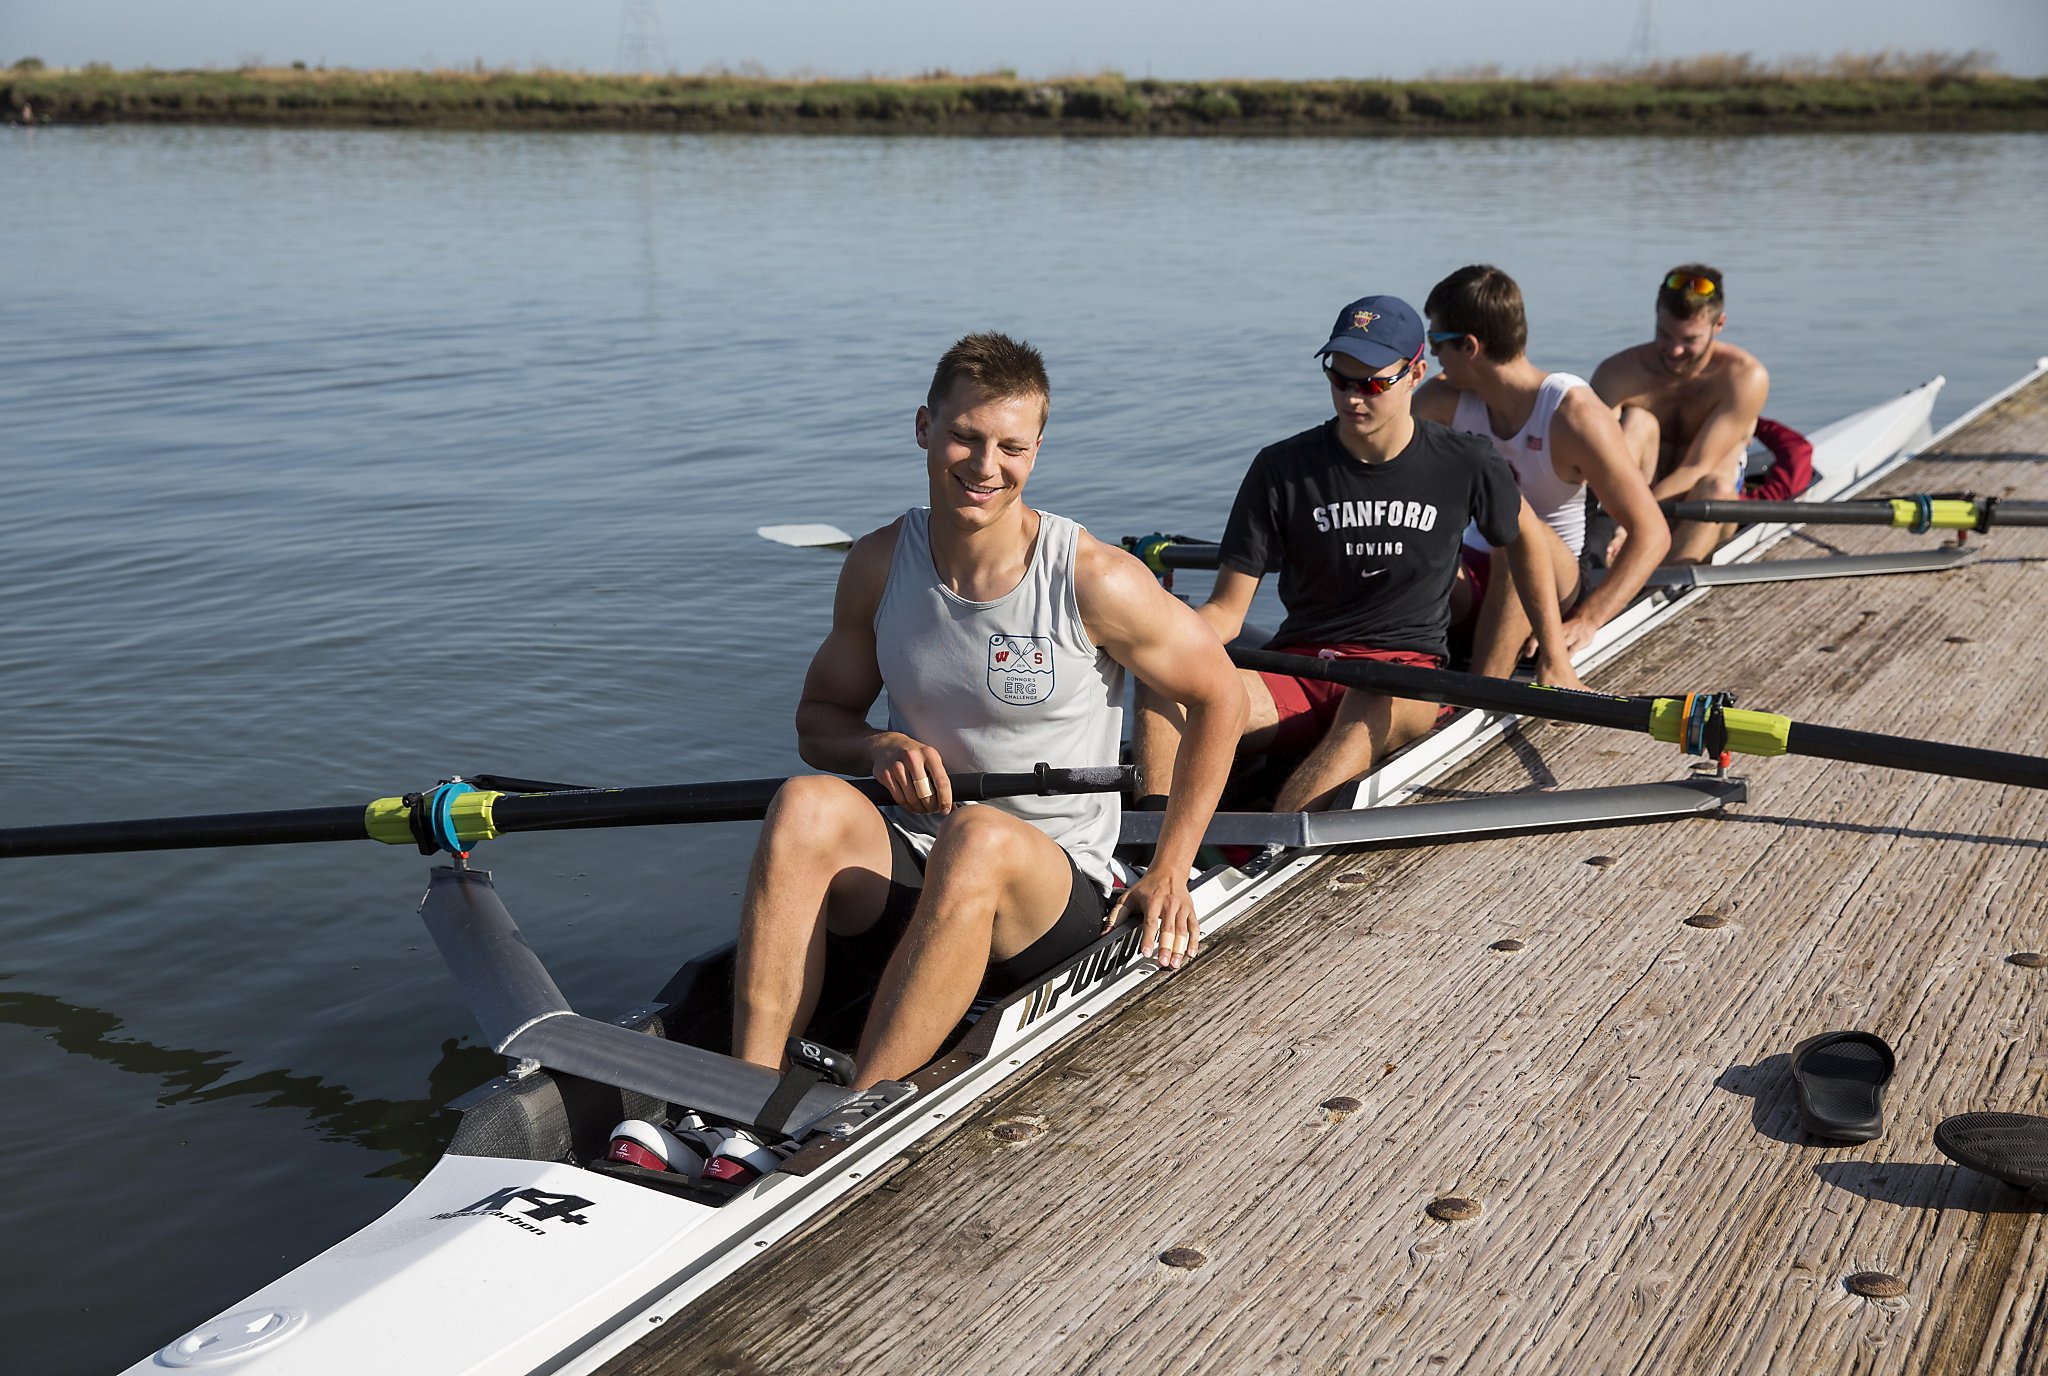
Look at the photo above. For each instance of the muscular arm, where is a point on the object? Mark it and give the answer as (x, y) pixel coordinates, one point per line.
(1154, 635)
(1738, 401)
(1588, 439)
(832, 730)
(1230, 600)
(1536, 585)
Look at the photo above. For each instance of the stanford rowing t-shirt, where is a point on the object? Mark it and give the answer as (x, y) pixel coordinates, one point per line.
(1367, 552)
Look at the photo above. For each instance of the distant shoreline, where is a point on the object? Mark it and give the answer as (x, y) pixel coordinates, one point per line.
(1696, 98)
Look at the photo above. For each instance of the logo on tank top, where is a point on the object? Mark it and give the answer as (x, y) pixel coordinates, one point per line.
(1020, 668)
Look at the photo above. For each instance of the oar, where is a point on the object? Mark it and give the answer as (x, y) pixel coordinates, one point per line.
(807, 536)
(1163, 552)
(461, 814)
(1916, 514)
(1702, 723)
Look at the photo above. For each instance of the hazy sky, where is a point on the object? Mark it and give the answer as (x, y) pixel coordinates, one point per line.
(1181, 38)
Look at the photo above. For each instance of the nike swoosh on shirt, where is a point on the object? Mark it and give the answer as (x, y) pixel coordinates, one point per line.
(1372, 573)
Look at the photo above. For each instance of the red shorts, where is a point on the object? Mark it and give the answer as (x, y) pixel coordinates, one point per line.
(1307, 706)
(1478, 566)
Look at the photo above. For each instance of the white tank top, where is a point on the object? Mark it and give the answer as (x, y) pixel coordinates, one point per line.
(1557, 503)
(1004, 685)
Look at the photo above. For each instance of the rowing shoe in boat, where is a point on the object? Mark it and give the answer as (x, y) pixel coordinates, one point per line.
(523, 1250)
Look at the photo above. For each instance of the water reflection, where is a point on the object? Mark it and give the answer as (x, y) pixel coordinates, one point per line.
(415, 1131)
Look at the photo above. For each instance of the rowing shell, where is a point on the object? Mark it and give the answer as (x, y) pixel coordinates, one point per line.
(522, 1251)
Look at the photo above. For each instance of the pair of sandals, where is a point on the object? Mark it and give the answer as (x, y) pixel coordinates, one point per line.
(1840, 1078)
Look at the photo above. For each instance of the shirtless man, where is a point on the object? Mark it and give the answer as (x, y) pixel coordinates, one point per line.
(1363, 515)
(1557, 438)
(1002, 635)
(1688, 403)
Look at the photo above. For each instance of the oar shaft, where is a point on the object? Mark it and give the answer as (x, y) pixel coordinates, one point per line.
(187, 833)
(1459, 690)
(1925, 757)
(1903, 513)
(742, 800)
(1750, 733)
(482, 815)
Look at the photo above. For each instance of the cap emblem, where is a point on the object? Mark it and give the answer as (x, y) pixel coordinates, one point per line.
(1362, 321)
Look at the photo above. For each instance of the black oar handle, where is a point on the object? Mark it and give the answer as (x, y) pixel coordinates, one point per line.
(1905, 513)
(1459, 690)
(1759, 732)
(186, 833)
(1925, 757)
(731, 800)
(744, 800)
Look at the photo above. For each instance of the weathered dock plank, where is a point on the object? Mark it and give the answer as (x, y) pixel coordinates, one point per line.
(1613, 1096)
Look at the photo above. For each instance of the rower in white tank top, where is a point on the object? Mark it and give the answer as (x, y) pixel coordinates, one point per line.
(1559, 504)
(1003, 685)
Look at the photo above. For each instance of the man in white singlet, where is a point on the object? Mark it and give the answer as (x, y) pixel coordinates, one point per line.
(1558, 439)
(1002, 636)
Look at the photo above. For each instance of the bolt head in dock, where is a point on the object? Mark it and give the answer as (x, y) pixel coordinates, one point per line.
(2027, 960)
(1875, 1285)
(1183, 1259)
(1453, 1209)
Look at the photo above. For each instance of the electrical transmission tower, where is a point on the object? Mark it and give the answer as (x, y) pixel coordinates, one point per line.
(641, 46)
(1642, 44)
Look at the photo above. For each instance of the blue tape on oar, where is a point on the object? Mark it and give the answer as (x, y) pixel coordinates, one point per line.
(1923, 514)
(441, 817)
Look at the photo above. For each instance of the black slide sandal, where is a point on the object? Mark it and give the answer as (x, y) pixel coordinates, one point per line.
(1840, 1078)
(2012, 1147)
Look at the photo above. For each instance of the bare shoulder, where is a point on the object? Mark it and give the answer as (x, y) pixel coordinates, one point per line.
(1743, 369)
(1622, 377)
(866, 571)
(1584, 416)
(1436, 400)
(1108, 578)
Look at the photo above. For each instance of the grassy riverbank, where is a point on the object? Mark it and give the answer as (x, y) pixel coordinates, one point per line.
(1714, 94)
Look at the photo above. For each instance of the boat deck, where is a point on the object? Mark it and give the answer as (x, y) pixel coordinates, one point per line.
(1583, 1035)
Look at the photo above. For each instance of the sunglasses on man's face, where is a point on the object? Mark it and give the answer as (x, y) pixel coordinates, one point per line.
(1368, 386)
(1696, 286)
(1439, 338)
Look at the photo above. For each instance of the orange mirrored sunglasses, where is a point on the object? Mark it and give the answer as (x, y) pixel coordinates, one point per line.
(1697, 286)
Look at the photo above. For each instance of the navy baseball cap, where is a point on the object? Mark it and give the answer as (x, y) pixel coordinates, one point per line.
(1378, 331)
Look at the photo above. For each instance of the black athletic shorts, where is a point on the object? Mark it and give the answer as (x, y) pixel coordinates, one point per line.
(863, 956)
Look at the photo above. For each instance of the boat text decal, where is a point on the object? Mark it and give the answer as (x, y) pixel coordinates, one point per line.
(1104, 965)
(546, 1206)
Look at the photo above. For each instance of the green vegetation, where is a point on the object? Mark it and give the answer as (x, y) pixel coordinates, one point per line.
(1722, 93)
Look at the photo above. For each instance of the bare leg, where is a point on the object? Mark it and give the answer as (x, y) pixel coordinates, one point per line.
(1159, 725)
(993, 885)
(1694, 542)
(1369, 727)
(823, 858)
(1503, 624)
(1643, 435)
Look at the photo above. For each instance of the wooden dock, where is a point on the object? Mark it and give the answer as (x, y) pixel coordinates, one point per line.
(1581, 1036)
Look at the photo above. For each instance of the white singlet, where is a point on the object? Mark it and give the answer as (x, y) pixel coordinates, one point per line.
(1559, 504)
(1002, 685)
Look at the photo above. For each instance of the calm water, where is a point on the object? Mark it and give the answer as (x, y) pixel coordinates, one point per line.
(331, 463)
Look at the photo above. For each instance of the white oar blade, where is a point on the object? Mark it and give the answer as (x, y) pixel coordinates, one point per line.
(807, 537)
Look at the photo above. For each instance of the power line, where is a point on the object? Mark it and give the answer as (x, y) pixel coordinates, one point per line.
(641, 46)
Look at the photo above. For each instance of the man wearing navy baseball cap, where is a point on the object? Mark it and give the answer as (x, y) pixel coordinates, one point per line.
(1363, 516)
